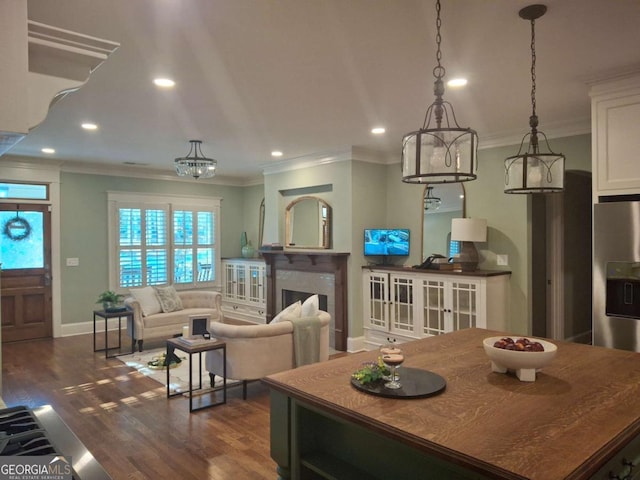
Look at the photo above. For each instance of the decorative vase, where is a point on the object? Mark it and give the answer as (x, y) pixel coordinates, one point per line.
(243, 239)
(248, 251)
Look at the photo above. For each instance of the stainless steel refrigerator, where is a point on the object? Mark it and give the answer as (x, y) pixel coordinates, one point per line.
(616, 275)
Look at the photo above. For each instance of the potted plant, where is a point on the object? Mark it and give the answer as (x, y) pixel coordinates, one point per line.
(111, 301)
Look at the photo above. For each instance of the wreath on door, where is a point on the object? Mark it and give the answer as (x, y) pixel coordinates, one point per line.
(16, 229)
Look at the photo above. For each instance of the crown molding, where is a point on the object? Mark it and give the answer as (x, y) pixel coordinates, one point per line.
(311, 160)
(558, 130)
(132, 171)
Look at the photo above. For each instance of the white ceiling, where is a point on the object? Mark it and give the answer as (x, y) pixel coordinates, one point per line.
(311, 77)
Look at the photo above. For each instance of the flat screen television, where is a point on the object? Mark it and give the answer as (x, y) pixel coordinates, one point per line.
(386, 242)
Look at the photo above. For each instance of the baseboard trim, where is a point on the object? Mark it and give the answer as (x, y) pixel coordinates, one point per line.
(355, 344)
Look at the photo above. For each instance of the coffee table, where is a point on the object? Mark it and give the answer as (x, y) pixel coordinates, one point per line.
(191, 349)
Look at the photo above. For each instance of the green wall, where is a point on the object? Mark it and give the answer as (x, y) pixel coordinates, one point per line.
(508, 218)
(84, 230)
(251, 213)
(362, 195)
(369, 193)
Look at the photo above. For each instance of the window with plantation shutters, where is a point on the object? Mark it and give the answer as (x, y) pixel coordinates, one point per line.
(159, 244)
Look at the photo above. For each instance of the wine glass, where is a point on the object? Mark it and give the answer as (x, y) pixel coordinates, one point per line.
(393, 360)
(389, 348)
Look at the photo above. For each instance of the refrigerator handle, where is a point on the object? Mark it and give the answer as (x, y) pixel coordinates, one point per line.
(628, 293)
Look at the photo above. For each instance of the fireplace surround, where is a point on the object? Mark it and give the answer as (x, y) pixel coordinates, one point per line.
(321, 272)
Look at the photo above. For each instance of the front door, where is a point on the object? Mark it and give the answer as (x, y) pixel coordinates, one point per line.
(25, 274)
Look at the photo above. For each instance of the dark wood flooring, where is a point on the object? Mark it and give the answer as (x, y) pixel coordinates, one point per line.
(126, 421)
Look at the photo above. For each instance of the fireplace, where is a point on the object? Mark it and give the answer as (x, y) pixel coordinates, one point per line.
(310, 273)
(293, 296)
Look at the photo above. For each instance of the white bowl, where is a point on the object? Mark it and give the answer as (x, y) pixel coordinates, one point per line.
(524, 364)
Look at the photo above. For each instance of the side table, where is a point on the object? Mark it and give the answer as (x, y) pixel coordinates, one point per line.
(128, 314)
(191, 349)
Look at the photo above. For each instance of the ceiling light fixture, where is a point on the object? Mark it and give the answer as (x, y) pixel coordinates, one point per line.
(532, 171)
(431, 202)
(276, 153)
(89, 126)
(446, 153)
(195, 164)
(378, 130)
(48, 150)
(457, 82)
(164, 82)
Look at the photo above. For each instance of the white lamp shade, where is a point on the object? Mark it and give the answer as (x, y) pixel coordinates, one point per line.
(469, 229)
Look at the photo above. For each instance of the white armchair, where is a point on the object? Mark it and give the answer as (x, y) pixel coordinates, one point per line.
(255, 351)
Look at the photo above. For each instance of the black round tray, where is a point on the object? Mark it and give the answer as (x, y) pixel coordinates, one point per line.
(415, 383)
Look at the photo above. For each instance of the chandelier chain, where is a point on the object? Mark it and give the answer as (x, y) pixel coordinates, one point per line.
(439, 68)
(533, 67)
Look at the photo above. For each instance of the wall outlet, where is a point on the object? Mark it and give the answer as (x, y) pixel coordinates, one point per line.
(502, 259)
(73, 262)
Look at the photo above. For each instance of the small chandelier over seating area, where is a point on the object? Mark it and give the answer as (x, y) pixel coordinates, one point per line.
(531, 171)
(446, 153)
(431, 202)
(195, 164)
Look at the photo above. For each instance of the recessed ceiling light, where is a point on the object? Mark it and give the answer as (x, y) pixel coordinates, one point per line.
(378, 130)
(276, 153)
(457, 82)
(89, 126)
(164, 82)
(48, 150)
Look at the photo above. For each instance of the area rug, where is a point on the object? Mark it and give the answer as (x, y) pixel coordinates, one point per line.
(149, 363)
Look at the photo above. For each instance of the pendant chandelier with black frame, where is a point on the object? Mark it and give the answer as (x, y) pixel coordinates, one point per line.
(533, 171)
(431, 202)
(195, 164)
(444, 154)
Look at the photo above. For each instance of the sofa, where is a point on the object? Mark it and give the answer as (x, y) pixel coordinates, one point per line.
(150, 322)
(255, 351)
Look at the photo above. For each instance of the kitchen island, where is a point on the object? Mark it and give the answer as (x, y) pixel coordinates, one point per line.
(580, 419)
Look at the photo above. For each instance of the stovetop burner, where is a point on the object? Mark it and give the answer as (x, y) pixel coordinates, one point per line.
(40, 431)
(22, 434)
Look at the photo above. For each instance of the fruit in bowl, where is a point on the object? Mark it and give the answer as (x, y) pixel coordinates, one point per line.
(522, 355)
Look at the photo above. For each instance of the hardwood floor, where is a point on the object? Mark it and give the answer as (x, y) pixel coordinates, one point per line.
(126, 421)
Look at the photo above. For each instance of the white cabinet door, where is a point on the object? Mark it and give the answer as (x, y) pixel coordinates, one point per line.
(376, 298)
(615, 110)
(402, 310)
(257, 285)
(466, 307)
(230, 281)
(434, 298)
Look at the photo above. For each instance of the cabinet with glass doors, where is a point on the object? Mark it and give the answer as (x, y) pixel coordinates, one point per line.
(244, 293)
(403, 305)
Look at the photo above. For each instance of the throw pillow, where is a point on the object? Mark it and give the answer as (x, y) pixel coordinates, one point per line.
(148, 300)
(292, 310)
(310, 307)
(169, 299)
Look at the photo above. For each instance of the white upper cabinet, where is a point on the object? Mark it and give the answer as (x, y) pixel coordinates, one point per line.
(615, 117)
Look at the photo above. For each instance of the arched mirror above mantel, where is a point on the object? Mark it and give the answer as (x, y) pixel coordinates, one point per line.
(440, 203)
(308, 223)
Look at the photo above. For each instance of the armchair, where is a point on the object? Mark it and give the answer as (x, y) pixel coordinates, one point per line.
(255, 351)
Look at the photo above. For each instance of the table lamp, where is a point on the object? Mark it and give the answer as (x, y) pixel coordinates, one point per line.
(467, 231)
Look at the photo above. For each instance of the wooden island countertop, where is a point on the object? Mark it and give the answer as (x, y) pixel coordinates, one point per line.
(582, 410)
